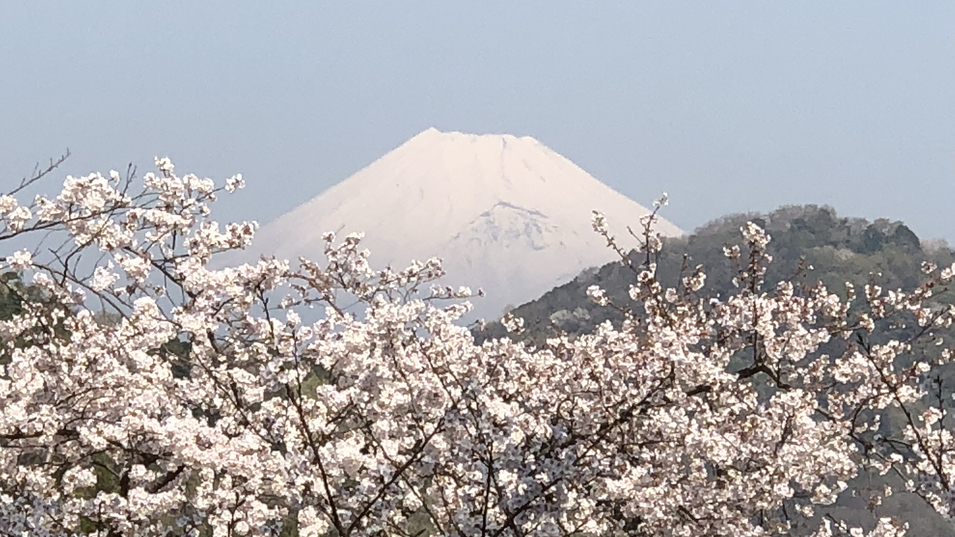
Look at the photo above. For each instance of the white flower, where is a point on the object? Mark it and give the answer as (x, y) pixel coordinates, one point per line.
(671, 295)
(599, 222)
(103, 278)
(597, 295)
(165, 165)
(20, 261)
(947, 273)
(234, 183)
(137, 268)
(513, 323)
(755, 235)
(18, 217)
(731, 252)
(7, 205)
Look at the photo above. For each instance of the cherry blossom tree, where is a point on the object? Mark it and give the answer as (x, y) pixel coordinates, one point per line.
(144, 392)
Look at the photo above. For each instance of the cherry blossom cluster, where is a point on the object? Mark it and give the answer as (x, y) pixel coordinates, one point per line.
(145, 392)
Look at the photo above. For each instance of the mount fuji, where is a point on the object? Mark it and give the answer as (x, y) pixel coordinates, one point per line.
(506, 214)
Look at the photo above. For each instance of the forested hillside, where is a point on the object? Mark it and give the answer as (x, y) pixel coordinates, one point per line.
(810, 244)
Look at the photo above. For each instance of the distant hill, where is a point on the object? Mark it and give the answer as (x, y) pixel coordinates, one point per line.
(811, 243)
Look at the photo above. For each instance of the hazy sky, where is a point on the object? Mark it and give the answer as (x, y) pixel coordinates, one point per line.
(728, 106)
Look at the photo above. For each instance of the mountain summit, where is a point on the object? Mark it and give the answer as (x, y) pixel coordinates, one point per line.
(506, 214)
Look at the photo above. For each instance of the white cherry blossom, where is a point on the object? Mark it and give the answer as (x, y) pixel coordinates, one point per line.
(145, 392)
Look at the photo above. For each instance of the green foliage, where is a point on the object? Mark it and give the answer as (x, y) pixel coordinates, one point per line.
(11, 295)
(14, 297)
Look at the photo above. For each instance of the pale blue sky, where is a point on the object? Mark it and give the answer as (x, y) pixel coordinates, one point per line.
(728, 106)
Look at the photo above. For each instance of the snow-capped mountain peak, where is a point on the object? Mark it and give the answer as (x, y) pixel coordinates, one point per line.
(506, 213)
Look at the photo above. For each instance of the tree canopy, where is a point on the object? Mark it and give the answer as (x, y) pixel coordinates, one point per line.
(327, 397)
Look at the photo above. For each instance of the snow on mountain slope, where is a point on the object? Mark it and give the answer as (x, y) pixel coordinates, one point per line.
(506, 214)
